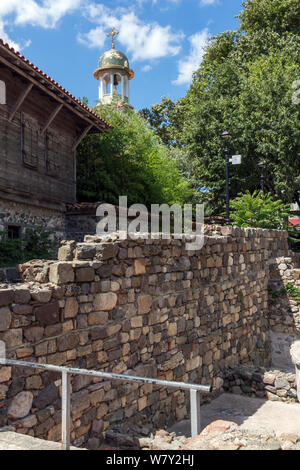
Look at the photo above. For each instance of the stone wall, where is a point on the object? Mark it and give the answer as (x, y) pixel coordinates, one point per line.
(275, 385)
(30, 216)
(282, 272)
(149, 308)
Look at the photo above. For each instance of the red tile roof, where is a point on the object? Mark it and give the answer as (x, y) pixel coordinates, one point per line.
(295, 222)
(22, 61)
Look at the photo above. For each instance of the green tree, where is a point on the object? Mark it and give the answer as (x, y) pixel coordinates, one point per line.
(245, 84)
(166, 119)
(278, 15)
(131, 161)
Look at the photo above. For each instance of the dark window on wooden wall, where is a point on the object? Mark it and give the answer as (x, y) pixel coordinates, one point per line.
(29, 143)
(52, 149)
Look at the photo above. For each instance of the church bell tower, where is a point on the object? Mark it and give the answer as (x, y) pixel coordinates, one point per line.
(113, 74)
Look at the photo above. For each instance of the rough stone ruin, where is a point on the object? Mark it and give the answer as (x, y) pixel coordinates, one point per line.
(295, 354)
(149, 308)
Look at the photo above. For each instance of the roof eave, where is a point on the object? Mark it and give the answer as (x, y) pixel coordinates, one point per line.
(24, 67)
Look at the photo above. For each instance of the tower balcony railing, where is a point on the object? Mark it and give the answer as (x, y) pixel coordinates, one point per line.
(108, 98)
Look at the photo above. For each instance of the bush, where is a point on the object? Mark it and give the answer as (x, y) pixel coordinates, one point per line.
(259, 210)
(36, 243)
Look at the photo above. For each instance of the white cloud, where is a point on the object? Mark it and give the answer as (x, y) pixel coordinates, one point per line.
(45, 14)
(187, 66)
(146, 68)
(144, 41)
(204, 3)
(6, 38)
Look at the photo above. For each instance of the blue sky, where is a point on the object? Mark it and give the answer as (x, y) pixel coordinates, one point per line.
(163, 40)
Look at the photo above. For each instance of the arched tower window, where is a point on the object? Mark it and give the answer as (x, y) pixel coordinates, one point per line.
(2, 92)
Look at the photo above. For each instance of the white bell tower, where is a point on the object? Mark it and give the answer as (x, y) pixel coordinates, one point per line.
(113, 74)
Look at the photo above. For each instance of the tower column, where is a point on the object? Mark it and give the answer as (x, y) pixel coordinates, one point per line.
(123, 87)
(128, 92)
(111, 83)
(101, 94)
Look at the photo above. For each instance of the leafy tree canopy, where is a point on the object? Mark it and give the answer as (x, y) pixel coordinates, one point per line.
(244, 83)
(131, 161)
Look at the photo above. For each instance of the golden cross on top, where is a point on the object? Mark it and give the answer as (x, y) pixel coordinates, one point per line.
(113, 33)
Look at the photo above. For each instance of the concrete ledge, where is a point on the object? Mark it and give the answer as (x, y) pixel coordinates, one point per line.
(13, 441)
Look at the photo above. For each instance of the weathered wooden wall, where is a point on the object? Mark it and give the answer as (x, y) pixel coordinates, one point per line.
(52, 183)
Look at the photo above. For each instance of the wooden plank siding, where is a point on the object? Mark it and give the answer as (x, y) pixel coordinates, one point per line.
(50, 174)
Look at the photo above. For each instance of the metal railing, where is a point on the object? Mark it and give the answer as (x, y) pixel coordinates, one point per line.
(66, 372)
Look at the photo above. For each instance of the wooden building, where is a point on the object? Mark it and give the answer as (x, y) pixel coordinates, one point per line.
(41, 125)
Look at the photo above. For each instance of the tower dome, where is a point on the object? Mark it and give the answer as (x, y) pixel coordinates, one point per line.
(113, 70)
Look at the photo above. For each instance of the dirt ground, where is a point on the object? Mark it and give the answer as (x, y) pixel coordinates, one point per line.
(253, 414)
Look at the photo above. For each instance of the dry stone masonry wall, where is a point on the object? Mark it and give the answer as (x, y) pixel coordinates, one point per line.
(142, 307)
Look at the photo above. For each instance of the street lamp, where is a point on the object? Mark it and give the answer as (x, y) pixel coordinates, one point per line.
(226, 137)
(262, 166)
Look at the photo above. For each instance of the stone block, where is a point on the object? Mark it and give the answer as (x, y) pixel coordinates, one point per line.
(24, 352)
(68, 341)
(54, 433)
(113, 329)
(61, 273)
(136, 322)
(44, 427)
(42, 295)
(21, 405)
(282, 383)
(104, 271)
(22, 296)
(48, 314)
(65, 252)
(97, 318)
(140, 266)
(12, 338)
(106, 251)
(172, 329)
(34, 382)
(46, 397)
(97, 397)
(53, 330)
(144, 304)
(106, 301)
(6, 297)
(5, 374)
(5, 318)
(85, 274)
(29, 422)
(85, 251)
(71, 308)
(80, 401)
(22, 309)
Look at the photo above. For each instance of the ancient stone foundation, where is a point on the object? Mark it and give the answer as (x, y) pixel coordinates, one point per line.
(142, 307)
(23, 216)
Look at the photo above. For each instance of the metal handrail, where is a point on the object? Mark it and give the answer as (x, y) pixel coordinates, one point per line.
(66, 391)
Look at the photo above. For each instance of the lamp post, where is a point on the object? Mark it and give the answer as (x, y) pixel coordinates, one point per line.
(262, 166)
(226, 137)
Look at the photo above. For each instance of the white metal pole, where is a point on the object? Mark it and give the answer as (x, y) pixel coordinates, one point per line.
(195, 413)
(66, 411)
